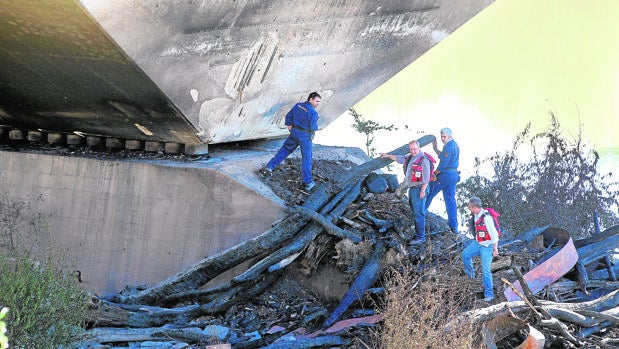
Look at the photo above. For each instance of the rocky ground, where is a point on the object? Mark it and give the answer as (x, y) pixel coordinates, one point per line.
(288, 303)
(300, 301)
(306, 309)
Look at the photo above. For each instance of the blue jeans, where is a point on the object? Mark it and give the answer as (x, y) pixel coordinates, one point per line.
(297, 138)
(418, 206)
(446, 182)
(475, 249)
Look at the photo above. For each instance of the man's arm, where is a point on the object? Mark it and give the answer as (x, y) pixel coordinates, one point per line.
(388, 156)
(435, 146)
(289, 117)
(313, 115)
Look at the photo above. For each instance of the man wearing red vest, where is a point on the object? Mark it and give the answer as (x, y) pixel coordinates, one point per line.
(416, 167)
(484, 244)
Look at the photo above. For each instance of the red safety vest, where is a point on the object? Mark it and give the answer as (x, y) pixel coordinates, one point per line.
(416, 168)
(481, 231)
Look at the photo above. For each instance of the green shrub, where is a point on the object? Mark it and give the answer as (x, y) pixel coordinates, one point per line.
(544, 179)
(47, 306)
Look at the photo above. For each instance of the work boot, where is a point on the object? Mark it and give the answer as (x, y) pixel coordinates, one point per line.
(400, 191)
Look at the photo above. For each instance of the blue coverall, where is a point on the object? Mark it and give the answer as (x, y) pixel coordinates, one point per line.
(446, 180)
(304, 121)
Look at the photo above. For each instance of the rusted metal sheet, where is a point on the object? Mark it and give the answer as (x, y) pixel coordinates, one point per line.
(502, 327)
(547, 272)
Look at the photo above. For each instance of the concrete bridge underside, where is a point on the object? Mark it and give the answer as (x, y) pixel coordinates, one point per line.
(195, 73)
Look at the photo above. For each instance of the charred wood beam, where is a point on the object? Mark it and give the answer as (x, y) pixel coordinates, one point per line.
(554, 324)
(327, 224)
(586, 332)
(600, 304)
(382, 224)
(284, 262)
(605, 302)
(527, 236)
(366, 278)
(604, 274)
(501, 262)
(210, 267)
(117, 335)
(592, 253)
(610, 232)
(599, 237)
(198, 296)
(584, 318)
(301, 241)
(350, 222)
(108, 314)
(609, 268)
(569, 285)
(317, 342)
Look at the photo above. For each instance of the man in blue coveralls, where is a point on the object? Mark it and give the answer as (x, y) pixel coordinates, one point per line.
(302, 122)
(447, 175)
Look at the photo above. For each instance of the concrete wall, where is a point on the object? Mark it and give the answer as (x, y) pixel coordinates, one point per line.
(131, 222)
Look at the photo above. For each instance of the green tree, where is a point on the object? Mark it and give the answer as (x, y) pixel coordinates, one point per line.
(368, 128)
(544, 179)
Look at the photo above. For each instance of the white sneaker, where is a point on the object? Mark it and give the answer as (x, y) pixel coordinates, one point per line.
(310, 185)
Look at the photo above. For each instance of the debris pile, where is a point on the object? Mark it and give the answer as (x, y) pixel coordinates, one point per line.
(569, 298)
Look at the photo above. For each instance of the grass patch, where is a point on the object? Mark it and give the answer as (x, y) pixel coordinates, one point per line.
(47, 307)
(417, 307)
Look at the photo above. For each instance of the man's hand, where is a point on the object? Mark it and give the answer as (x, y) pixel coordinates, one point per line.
(388, 156)
(399, 192)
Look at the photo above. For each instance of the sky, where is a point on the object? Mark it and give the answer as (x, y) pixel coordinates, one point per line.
(512, 64)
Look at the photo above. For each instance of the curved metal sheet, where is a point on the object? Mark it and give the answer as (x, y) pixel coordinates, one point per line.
(547, 272)
(502, 327)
